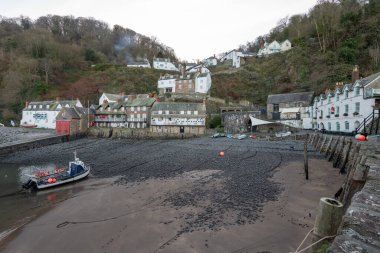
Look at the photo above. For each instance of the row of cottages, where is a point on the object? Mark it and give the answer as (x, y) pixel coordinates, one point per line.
(196, 82)
(164, 64)
(43, 114)
(128, 112)
(178, 118)
(290, 108)
(346, 107)
(274, 47)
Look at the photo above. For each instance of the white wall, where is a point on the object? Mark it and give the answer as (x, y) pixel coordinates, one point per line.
(203, 84)
(180, 121)
(43, 119)
(164, 65)
(322, 107)
(167, 83)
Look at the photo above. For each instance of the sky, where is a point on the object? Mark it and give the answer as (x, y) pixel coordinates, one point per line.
(195, 29)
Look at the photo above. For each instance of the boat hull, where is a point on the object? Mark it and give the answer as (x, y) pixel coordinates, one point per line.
(68, 180)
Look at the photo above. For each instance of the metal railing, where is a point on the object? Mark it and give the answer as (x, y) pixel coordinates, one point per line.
(370, 119)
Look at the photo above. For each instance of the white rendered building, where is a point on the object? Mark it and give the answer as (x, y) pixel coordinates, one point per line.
(203, 82)
(164, 64)
(42, 114)
(112, 98)
(274, 47)
(140, 64)
(166, 83)
(211, 61)
(345, 108)
(233, 55)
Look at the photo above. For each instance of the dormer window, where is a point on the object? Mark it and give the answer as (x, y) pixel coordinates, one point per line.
(40, 106)
(357, 91)
(47, 106)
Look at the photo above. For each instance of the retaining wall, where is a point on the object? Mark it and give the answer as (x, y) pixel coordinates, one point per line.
(360, 192)
(35, 143)
(134, 133)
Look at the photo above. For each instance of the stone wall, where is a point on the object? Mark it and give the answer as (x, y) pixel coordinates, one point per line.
(135, 133)
(360, 193)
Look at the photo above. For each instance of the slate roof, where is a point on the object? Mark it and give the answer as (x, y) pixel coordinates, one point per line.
(141, 102)
(177, 107)
(291, 97)
(364, 81)
(53, 104)
(114, 97)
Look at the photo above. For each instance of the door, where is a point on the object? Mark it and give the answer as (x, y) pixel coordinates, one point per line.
(181, 129)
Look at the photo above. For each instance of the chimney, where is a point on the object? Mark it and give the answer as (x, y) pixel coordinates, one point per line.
(183, 70)
(57, 99)
(26, 104)
(355, 74)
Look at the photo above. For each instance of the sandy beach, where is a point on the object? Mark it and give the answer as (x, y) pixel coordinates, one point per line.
(223, 205)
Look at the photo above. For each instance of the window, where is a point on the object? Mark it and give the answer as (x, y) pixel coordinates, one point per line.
(337, 97)
(276, 108)
(329, 100)
(337, 110)
(40, 106)
(159, 112)
(329, 111)
(347, 125)
(357, 91)
(144, 108)
(166, 112)
(132, 109)
(189, 112)
(195, 112)
(182, 112)
(138, 108)
(47, 106)
(346, 108)
(357, 107)
(337, 126)
(34, 106)
(346, 94)
(329, 126)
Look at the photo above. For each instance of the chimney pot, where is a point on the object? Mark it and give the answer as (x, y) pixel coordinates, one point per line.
(355, 74)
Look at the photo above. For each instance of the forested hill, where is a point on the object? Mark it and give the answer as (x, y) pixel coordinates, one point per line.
(327, 42)
(52, 56)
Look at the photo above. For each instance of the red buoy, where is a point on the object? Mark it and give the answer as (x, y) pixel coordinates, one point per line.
(54, 180)
(362, 138)
(221, 153)
(50, 180)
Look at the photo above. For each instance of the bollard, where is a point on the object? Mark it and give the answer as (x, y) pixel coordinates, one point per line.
(328, 218)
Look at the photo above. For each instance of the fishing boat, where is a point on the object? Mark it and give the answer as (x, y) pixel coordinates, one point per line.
(77, 170)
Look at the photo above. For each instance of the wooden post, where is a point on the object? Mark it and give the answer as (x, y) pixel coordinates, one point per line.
(306, 165)
(345, 157)
(333, 149)
(339, 154)
(328, 218)
(323, 144)
(328, 147)
(319, 140)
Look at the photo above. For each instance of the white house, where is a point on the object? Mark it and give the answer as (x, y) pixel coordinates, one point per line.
(166, 83)
(274, 47)
(139, 64)
(42, 114)
(233, 55)
(193, 67)
(112, 98)
(211, 61)
(346, 107)
(164, 64)
(203, 82)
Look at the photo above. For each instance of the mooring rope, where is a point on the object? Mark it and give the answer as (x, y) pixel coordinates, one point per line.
(311, 245)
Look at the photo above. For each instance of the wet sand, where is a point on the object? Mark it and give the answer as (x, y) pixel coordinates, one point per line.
(137, 217)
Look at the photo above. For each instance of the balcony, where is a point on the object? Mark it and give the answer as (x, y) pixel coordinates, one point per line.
(136, 119)
(109, 119)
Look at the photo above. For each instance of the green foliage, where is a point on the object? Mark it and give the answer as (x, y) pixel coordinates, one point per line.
(39, 88)
(90, 55)
(215, 122)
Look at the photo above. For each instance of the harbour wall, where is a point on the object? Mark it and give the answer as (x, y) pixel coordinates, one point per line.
(360, 192)
(20, 146)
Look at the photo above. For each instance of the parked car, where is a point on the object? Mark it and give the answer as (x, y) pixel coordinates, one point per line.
(1, 125)
(216, 135)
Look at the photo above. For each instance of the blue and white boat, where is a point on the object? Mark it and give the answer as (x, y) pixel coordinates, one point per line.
(77, 170)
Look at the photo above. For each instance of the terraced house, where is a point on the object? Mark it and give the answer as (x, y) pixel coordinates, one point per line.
(133, 113)
(350, 107)
(178, 118)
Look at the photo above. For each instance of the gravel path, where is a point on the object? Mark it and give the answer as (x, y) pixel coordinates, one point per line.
(232, 194)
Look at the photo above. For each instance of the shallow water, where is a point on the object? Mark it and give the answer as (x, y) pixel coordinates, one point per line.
(18, 206)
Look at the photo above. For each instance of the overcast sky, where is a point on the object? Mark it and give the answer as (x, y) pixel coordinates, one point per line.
(195, 29)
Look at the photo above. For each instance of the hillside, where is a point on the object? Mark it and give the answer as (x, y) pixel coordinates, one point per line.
(52, 56)
(327, 42)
